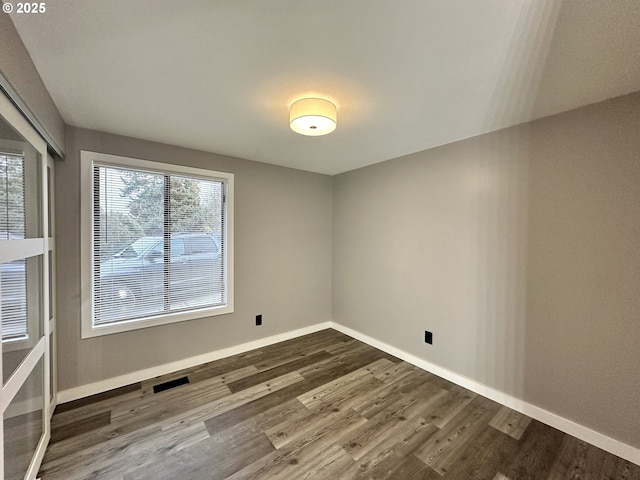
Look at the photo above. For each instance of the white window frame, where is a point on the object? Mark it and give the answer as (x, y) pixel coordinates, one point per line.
(87, 161)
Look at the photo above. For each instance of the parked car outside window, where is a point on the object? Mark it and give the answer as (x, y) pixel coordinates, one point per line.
(136, 281)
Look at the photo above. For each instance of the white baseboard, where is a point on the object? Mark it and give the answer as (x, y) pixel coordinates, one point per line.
(570, 427)
(565, 425)
(120, 381)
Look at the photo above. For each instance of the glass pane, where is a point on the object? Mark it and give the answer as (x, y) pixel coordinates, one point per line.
(12, 200)
(33, 195)
(148, 275)
(23, 425)
(12, 218)
(128, 254)
(49, 203)
(196, 207)
(51, 293)
(21, 310)
(20, 209)
(52, 365)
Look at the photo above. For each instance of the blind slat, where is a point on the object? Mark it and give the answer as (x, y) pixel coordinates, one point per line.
(13, 275)
(13, 286)
(157, 244)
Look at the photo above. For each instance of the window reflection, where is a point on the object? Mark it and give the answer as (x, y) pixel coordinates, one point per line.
(21, 309)
(12, 197)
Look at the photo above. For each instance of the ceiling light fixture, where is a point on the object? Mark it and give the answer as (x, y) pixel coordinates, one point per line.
(313, 116)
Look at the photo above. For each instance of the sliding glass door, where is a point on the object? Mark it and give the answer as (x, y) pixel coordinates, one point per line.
(26, 300)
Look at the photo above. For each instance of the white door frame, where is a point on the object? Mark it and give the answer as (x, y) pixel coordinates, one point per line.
(18, 249)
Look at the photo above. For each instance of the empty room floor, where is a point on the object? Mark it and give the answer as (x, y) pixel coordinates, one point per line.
(319, 406)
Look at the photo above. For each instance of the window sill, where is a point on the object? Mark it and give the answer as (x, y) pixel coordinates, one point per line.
(90, 331)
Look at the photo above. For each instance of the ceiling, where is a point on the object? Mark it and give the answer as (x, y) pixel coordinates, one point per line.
(406, 75)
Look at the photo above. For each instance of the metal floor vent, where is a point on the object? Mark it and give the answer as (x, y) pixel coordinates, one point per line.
(161, 387)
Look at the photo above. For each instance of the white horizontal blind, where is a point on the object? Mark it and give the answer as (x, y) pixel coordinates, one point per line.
(12, 201)
(14, 300)
(13, 275)
(158, 244)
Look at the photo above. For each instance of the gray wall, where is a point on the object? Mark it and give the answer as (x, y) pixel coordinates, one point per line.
(519, 250)
(282, 262)
(16, 66)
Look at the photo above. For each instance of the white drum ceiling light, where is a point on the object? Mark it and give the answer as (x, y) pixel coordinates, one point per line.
(313, 117)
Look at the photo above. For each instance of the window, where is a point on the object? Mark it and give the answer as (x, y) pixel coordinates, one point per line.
(157, 244)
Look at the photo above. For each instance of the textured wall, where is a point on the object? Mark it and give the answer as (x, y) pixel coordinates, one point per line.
(282, 262)
(519, 250)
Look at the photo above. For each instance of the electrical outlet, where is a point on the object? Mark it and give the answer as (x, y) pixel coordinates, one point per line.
(258, 320)
(428, 337)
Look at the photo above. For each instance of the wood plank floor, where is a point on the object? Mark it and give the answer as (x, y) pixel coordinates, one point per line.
(319, 406)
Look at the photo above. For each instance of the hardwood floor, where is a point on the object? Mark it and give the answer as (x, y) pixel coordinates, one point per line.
(320, 406)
